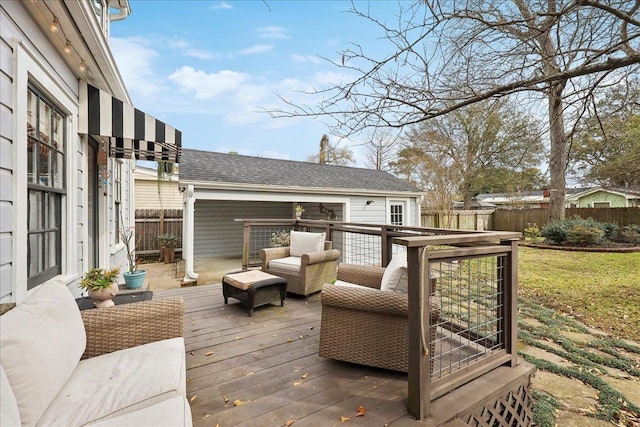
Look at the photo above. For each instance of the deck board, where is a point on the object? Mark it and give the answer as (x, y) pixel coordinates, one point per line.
(261, 360)
(270, 361)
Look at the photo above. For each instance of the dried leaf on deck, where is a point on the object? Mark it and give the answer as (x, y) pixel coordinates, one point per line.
(361, 411)
(297, 383)
(226, 399)
(238, 402)
(289, 422)
(304, 376)
(191, 353)
(193, 398)
(210, 353)
(344, 419)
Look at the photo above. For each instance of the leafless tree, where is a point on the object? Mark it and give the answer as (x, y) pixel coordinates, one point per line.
(450, 54)
(331, 154)
(380, 149)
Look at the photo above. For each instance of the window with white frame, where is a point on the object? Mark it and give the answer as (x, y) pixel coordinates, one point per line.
(396, 213)
(601, 204)
(46, 187)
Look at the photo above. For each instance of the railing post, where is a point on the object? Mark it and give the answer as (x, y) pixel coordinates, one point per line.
(510, 307)
(246, 238)
(419, 375)
(386, 246)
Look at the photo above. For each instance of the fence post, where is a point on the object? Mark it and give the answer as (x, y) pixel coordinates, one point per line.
(246, 237)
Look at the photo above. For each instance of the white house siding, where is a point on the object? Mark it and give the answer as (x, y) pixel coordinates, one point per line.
(27, 56)
(373, 213)
(6, 168)
(147, 195)
(216, 234)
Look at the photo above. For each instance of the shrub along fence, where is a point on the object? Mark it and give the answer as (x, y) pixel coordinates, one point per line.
(518, 220)
(150, 224)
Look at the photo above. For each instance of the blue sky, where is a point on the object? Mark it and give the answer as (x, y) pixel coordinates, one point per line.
(208, 67)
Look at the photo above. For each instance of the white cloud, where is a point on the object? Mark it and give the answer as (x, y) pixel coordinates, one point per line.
(223, 5)
(304, 59)
(259, 48)
(208, 86)
(135, 61)
(187, 50)
(272, 32)
(199, 54)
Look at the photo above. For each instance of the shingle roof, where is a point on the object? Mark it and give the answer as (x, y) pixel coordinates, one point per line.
(207, 166)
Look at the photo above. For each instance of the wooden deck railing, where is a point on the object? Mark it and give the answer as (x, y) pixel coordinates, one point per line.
(476, 276)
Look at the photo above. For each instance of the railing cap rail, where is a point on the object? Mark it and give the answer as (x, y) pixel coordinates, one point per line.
(486, 236)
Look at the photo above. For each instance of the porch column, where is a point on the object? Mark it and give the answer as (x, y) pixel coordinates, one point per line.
(189, 201)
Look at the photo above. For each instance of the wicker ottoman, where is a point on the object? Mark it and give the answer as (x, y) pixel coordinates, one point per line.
(254, 288)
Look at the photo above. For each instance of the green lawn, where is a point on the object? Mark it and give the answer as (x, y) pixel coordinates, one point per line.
(600, 289)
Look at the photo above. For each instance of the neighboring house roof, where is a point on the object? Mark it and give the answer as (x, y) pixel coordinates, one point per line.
(206, 167)
(475, 204)
(534, 196)
(626, 193)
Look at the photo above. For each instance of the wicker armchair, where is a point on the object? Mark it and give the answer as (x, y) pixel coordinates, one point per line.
(316, 268)
(365, 325)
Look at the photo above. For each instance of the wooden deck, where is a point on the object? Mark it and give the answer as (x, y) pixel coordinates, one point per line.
(265, 370)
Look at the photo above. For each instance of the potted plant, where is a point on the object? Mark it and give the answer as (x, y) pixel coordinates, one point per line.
(167, 243)
(133, 278)
(299, 210)
(102, 286)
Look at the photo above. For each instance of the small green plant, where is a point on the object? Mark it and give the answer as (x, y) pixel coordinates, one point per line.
(582, 235)
(532, 232)
(299, 209)
(279, 239)
(631, 234)
(558, 231)
(167, 240)
(98, 278)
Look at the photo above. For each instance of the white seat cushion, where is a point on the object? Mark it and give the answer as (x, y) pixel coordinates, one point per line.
(119, 383)
(9, 412)
(169, 412)
(290, 263)
(303, 242)
(41, 342)
(395, 276)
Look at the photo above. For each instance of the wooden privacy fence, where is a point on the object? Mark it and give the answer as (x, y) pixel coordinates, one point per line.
(149, 226)
(458, 219)
(518, 220)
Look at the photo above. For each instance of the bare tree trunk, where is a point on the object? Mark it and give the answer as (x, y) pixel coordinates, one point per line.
(324, 142)
(467, 195)
(558, 158)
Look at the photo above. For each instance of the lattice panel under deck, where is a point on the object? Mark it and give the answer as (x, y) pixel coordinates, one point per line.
(512, 410)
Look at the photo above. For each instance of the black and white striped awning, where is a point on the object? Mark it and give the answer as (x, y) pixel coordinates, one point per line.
(128, 130)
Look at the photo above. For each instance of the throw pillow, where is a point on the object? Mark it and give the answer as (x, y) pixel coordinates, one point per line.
(395, 278)
(303, 242)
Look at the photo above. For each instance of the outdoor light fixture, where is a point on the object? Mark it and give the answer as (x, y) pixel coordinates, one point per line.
(54, 25)
(67, 48)
(369, 202)
(82, 67)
